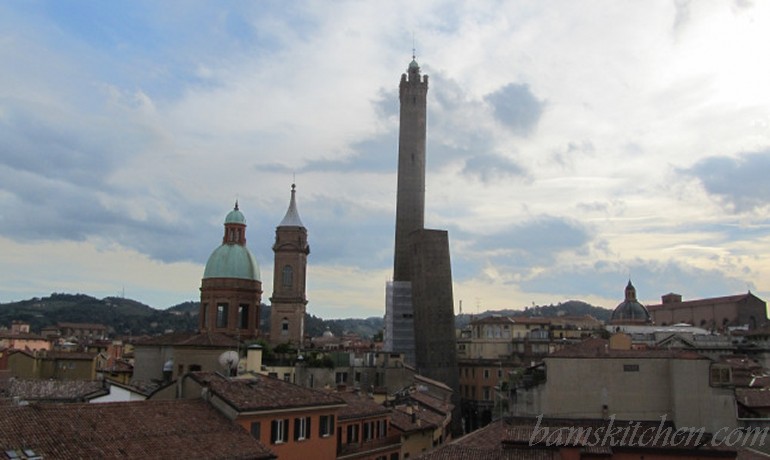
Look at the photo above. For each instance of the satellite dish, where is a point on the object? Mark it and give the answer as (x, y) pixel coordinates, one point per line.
(229, 361)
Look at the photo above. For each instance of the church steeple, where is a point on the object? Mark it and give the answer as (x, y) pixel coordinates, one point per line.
(287, 316)
(291, 219)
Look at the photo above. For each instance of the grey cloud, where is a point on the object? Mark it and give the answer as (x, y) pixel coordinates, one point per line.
(740, 183)
(536, 242)
(516, 107)
(490, 168)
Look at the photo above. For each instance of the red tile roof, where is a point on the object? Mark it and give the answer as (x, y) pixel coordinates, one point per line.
(262, 393)
(189, 340)
(55, 390)
(359, 406)
(146, 429)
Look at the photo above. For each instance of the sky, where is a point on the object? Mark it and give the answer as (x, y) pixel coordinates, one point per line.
(571, 145)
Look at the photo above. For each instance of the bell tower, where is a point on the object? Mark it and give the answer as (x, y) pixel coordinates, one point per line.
(289, 301)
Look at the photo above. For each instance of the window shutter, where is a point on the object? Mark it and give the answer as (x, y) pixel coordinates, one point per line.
(307, 428)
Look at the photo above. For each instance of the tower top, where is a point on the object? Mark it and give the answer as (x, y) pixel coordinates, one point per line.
(291, 219)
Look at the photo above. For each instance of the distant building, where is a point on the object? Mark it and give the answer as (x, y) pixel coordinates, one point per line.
(231, 289)
(288, 302)
(20, 338)
(79, 331)
(716, 313)
(168, 357)
(630, 311)
(365, 429)
(58, 365)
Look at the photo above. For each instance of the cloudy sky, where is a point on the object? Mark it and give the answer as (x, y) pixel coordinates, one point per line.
(571, 145)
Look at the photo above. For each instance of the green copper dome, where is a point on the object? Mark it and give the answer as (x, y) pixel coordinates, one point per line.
(232, 261)
(235, 216)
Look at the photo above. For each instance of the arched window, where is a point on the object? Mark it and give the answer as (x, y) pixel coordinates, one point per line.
(288, 276)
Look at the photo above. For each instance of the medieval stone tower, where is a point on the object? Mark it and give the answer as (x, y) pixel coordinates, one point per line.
(287, 316)
(419, 313)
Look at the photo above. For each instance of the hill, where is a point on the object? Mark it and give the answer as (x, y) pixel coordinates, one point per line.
(121, 316)
(128, 317)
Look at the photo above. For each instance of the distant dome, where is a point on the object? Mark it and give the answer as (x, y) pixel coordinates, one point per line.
(232, 261)
(414, 64)
(630, 311)
(327, 333)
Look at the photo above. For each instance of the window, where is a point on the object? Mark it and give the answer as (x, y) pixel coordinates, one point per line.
(720, 375)
(499, 373)
(204, 315)
(243, 314)
(288, 276)
(301, 428)
(352, 433)
(340, 377)
(630, 368)
(487, 395)
(326, 426)
(222, 315)
(287, 377)
(486, 374)
(285, 326)
(368, 431)
(255, 429)
(279, 431)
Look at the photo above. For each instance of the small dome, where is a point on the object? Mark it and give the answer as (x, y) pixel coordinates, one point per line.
(630, 311)
(327, 333)
(232, 261)
(414, 64)
(235, 216)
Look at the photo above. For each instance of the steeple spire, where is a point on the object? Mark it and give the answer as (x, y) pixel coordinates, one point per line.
(291, 219)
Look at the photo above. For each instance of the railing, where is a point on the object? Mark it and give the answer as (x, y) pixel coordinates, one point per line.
(372, 444)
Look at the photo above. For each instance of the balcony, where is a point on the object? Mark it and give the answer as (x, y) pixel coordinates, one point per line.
(355, 449)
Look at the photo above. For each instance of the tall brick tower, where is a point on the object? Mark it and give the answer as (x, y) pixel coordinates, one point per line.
(410, 209)
(410, 198)
(289, 301)
(419, 311)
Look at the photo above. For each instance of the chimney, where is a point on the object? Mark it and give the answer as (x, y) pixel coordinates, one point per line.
(254, 358)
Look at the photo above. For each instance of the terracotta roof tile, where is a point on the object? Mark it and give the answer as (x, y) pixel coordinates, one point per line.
(146, 429)
(55, 390)
(259, 392)
(359, 406)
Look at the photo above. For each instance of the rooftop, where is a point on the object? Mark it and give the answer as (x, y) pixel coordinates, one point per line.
(146, 429)
(258, 392)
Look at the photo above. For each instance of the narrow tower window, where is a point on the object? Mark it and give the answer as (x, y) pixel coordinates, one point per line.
(288, 276)
(285, 326)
